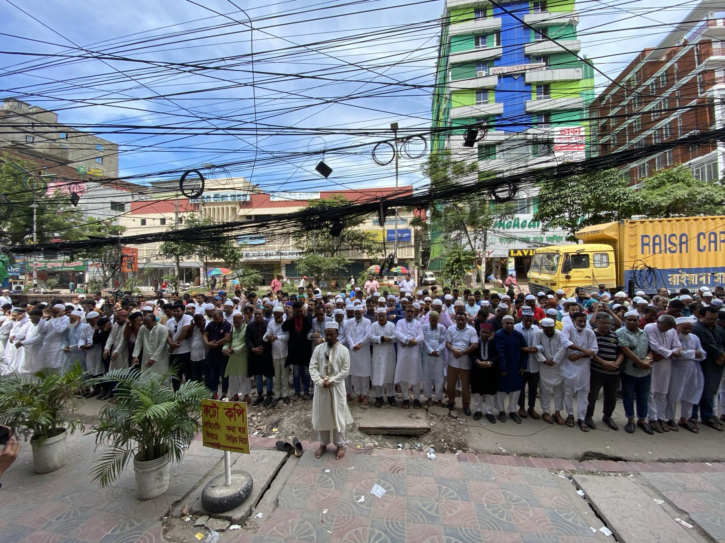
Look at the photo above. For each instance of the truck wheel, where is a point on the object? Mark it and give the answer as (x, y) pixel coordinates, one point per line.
(218, 498)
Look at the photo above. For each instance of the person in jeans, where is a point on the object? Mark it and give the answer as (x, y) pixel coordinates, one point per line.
(712, 338)
(461, 341)
(604, 371)
(216, 335)
(198, 351)
(636, 371)
(299, 326)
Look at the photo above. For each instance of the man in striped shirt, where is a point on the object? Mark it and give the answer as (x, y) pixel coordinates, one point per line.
(605, 371)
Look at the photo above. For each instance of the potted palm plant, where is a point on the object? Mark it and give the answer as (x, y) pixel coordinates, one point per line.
(40, 406)
(149, 422)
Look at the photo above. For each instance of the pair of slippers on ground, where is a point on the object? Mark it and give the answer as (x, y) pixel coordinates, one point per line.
(290, 448)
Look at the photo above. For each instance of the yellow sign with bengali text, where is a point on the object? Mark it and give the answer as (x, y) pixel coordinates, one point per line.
(224, 426)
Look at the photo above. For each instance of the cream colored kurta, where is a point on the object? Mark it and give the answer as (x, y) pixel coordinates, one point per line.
(329, 405)
(154, 348)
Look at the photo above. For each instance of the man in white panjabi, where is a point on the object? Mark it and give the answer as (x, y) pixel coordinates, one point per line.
(408, 370)
(329, 367)
(14, 352)
(433, 357)
(152, 339)
(687, 380)
(33, 342)
(576, 368)
(664, 342)
(552, 349)
(382, 337)
(49, 354)
(356, 334)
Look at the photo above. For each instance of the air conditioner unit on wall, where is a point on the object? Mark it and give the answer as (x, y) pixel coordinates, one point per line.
(481, 73)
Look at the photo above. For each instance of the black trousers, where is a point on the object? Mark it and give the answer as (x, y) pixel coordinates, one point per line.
(180, 365)
(532, 381)
(610, 384)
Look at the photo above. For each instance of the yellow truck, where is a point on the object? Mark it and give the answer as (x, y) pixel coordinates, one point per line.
(687, 252)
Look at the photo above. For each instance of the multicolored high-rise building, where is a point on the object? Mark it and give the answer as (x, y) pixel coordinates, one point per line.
(514, 68)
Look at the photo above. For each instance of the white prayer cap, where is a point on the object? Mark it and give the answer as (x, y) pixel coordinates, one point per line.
(191, 304)
(527, 312)
(631, 314)
(332, 324)
(237, 312)
(382, 310)
(144, 308)
(707, 294)
(77, 313)
(359, 308)
(505, 297)
(530, 297)
(459, 302)
(560, 292)
(547, 323)
(704, 289)
(376, 294)
(59, 306)
(681, 320)
(685, 297)
(640, 293)
(717, 302)
(503, 306)
(620, 294)
(5, 290)
(357, 289)
(541, 293)
(229, 303)
(92, 315)
(552, 311)
(391, 297)
(338, 312)
(208, 307)
(339, 299)
(427, 299)
(448, 297)
(420, 293)
(508, 318)
(571, 301)
(329, 293)
(236, 298)
(485, 303)
(437, 301)
(357, 302)
(265, 300)
(416, 305)
(81, 296)
(637, 300)
(616, 306)
(278, 309)
(606, 296)
(550, 296)
(329, 304)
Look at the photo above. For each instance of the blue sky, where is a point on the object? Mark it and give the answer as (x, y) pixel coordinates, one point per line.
(384, 53)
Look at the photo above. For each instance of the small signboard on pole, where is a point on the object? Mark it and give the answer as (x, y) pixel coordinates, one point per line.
(224, 426)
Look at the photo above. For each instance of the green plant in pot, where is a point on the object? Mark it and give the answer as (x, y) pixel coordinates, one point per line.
(40, 407)
(149, 423)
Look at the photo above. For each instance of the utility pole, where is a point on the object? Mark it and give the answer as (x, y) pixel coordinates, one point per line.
(176, 225)
(394, 126)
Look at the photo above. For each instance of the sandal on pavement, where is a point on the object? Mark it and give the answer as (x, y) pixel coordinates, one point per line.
(583, 425)
(570, 421)
(714, 424)
(689, 426)
(672, 425)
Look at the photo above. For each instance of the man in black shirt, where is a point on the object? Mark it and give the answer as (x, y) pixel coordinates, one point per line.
(605, 371)
(217, 334)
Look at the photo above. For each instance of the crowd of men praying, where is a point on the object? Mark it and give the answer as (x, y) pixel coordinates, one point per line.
(499, 353)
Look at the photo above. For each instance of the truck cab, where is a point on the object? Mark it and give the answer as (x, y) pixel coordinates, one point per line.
(569, 266)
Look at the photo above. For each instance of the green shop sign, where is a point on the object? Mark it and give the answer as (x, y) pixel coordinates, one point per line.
(57, 265)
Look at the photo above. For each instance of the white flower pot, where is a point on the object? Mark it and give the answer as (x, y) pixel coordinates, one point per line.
(152, 477)
(49, 454)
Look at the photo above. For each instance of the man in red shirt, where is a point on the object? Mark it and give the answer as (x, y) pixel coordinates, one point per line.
(276, 283)
(530, 301)
(371, 285)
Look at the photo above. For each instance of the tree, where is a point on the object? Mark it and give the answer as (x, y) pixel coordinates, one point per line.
(469, 219)
(676, 193)
(322, 252)
(584, 200)
(456, 262)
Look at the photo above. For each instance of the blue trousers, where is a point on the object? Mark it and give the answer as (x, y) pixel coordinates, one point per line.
(259, 379)
(635, 388)
(301, 374)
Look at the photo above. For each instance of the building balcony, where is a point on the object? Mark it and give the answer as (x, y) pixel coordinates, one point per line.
(548, 47)
(549, 104)
(549, 76)
(474, 55)
(716, 61)
(477, 26)
(546, 18)
(483, 82)
(450, 4)
(715, 29)
(482, 110)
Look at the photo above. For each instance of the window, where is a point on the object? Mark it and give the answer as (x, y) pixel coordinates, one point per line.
(481, 69)
(663, 79)
(635, 101)
(99, 159)
(699, 83)
(653, 87)
(634, 80)
(497, 39)
(143, 222)
(696, 49)
(612, 123)
(162, 222)
(540, 35)
(655, 113)
(29, 139)
(479, 14)
(540, 150)
(543, 92)
(706, 172)
(601, 260)
(539, 60)
(180, 220)
(656, 137)
(660, 161)
(481, 97)
(614, 140)
(486, 152)
(666, 132)
(642, 171)
(637, 124)
(679, 126)
(481, 42)
(580, 262)
(118, 206)
(63, 135)
(538, 7)
(542, 120)
(669, 158)
(99, 147)
(665, 105)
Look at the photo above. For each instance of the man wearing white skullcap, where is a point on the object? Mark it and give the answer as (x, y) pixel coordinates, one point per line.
(279, 339)
(356, 334)
(551, 351)
(575, 368)
(635, 372)
(409, 333)
(49, 353)
(79, 333)
(329, 367)
(665, 343)
(382, 336)
(687, 380)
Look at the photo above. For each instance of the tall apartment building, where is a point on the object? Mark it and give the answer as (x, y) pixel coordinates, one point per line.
(515, 69)
(673, 90)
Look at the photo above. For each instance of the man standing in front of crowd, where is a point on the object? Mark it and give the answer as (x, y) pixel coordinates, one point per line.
(575, 368)
(551, 351)
(604, 371)
(328, 369)
(512, 359)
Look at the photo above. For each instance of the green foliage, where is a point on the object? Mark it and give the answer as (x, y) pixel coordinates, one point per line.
(173, 281)
(314, 265)
(40, 405)
(249, 278)
(148, 420)
(676, 193)
(584, 200)
(457, 262)
(51, 283)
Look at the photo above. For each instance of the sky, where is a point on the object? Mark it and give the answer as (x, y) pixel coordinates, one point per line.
(179, 75)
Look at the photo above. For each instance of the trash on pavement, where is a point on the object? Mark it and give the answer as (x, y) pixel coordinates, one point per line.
(686, 525)
(659, 502)
(378, 491)
(606, 531)
(580, 492)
